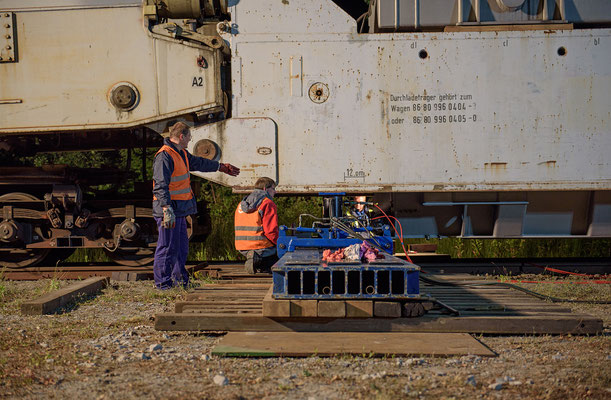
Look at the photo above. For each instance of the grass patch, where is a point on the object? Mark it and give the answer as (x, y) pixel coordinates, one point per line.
(571, 290)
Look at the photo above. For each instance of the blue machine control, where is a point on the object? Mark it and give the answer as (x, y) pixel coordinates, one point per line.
(330, 238)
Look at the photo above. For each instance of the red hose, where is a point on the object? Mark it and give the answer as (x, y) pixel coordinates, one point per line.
(397, 233)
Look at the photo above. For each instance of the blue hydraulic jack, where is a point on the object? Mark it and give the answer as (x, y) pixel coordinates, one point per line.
(301, 272)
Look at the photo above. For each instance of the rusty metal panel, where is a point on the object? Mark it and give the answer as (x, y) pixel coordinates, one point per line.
(459, 111)
(8, 39)
(248, 143)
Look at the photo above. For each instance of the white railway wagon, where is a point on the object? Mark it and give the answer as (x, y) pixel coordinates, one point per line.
(486, 119)
(472, 118)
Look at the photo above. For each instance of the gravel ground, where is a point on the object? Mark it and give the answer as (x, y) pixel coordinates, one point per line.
(105, 347)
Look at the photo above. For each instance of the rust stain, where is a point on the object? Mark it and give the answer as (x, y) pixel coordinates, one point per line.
(495, 166)
(549, 164)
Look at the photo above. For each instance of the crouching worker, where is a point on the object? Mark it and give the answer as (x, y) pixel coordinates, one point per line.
(173, 201)
(256, 227)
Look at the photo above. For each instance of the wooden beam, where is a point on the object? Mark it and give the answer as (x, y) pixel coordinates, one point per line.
(275, 308)
(304, 308)
(359, 308)
(387, 309)
(528, 324)
(58, 298)
(332, 308)
(298, 344)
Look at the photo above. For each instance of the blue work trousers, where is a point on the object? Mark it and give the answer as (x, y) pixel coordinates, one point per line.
(171, 255)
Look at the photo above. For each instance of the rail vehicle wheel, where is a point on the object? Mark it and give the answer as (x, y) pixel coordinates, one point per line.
(21, 258)
(135, 257)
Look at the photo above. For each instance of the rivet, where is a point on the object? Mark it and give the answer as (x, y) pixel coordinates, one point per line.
(8, 36)
(7, 25)
(8, 47)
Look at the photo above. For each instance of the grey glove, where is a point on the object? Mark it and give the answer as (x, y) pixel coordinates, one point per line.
(169, 219)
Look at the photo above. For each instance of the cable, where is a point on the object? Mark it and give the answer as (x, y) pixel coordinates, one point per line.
(397, 233)
(559, 271)
(340, 225)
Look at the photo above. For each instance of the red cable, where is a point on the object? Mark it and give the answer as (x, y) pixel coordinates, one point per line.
(598, 282)
(397, 233)
(559, 271)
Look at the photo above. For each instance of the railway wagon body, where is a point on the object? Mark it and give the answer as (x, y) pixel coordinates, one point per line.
(475, 118)
(81, 75)
(485, 118)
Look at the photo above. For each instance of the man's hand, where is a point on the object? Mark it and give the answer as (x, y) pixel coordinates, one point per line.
(169, 219)
(229, 169)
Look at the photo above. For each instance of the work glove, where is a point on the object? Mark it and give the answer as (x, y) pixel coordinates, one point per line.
(169, 219)
(229, 169)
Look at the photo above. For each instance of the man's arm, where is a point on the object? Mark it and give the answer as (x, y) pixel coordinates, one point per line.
(163, 165)
(270, 221)
(202, 164)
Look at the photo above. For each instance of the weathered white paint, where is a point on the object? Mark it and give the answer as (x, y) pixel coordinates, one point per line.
(69, 59)
(249, 143)
(535, 120)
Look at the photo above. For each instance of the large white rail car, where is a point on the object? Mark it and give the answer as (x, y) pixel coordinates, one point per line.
(473, 118)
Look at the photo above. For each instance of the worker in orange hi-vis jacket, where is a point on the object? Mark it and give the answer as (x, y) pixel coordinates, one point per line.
(173, 201)
(256, 227)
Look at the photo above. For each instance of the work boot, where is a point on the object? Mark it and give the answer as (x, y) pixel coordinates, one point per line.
(252, 261)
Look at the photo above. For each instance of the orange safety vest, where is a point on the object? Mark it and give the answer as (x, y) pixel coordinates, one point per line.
(180, 181)
(249, 229)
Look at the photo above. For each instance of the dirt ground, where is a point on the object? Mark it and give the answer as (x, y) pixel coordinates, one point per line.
(105, 347)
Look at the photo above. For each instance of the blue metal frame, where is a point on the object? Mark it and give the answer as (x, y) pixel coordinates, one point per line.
(328, 238)
(303, 275)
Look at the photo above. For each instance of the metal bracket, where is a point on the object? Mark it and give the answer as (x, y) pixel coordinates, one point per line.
(176, 31)
(7, 212)
(130, 212)
(8, 37)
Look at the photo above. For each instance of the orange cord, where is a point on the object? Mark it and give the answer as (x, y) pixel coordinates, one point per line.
(400, 236)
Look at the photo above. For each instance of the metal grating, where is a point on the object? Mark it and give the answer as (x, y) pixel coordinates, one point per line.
(388, 279)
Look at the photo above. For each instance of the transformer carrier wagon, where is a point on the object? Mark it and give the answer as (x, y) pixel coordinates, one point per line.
(470, 118)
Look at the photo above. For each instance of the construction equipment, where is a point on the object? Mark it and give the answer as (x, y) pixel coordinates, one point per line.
(482, 119)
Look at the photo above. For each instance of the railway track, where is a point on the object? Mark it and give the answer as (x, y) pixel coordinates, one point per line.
(233, 270)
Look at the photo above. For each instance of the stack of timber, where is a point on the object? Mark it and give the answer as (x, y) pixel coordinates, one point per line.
(239, 304)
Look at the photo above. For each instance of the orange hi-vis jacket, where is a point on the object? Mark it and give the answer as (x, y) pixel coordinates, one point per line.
(180, 181)
(249, 234)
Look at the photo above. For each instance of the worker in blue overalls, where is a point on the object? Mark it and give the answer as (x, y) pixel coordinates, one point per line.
(173, 201)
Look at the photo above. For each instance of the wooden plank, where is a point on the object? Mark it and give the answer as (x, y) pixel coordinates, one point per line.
(192, 305)
(332, 308)
(227, 286)
(297, 344)
(275, 308)
(303, 308)
(228, 295)
(529, 324)
(359, 308)
(387, 309)
(58, 298)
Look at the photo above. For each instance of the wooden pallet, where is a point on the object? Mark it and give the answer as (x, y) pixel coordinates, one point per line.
(483, 309)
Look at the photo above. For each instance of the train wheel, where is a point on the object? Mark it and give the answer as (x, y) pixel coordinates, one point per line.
(132, 257)
(21, 258)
